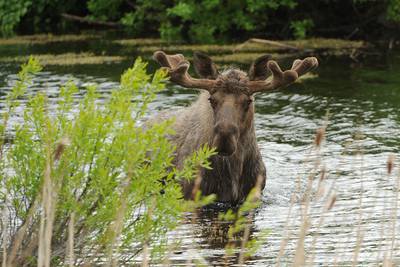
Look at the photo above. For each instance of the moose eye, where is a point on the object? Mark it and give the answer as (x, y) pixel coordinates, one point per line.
(212, 101)
(248, 102)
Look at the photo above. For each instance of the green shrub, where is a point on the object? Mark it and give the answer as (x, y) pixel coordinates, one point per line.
(90, 166)
(11, 13)
(207, 21)
(393, 10)
(301, 27)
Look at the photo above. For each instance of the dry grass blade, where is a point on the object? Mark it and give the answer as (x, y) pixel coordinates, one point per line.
(394, 214)
(45, 232)
(62, 144)
(19, 236)
(196, 186)
(299, 258)
(70, 241)
(360, 230)
(49, 203)
(328, 206)
(145, 261)
(319, 137)
(4, 228)
(331, 202)
(390, 163)
(285, 240)
(387, 263)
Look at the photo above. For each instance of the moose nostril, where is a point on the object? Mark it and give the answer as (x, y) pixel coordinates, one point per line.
(226, 129)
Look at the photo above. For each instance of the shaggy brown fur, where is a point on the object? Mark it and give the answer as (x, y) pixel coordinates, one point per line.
(223, 117)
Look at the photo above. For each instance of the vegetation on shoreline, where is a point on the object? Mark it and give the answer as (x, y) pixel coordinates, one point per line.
(196, 21)
(242, 53)
(46, 39)
(67, 59)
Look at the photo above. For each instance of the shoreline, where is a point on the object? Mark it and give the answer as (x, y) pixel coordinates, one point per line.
(114, 50)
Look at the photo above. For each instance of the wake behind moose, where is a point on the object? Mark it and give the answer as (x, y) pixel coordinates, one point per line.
(223, 117)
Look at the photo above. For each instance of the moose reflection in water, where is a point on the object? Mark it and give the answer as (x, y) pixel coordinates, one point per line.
(218, 235)
(223, 117)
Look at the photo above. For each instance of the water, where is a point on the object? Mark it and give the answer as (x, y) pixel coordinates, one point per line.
(359, 104)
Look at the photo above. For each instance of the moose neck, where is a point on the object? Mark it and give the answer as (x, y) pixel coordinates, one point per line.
(224, 179)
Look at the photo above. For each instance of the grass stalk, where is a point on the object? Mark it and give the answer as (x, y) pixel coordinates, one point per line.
(19, 236)
(395, 207)
(360, 232)
(285, 240)
(5, 230)
(145, 253)
(70, 242)
(300, 255)
(46, 216)
(49, 203)
(319, 138)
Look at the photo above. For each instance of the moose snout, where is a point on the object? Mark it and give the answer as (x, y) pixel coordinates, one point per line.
(225, 138)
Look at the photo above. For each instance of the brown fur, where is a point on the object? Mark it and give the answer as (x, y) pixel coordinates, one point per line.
(232, 177)
(223, 117)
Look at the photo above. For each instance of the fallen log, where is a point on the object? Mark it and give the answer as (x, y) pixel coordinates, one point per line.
(90, 21)
(268, 42)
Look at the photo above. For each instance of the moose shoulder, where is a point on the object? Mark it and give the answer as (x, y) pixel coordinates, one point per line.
(223, 117)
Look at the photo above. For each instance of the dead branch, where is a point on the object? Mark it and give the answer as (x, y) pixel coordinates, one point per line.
(268, 42)
(90, 21)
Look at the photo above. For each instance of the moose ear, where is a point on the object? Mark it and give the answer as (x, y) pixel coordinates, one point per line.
(258, 69)
(204, 66)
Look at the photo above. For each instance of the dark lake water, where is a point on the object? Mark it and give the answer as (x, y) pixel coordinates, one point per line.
(359, 102)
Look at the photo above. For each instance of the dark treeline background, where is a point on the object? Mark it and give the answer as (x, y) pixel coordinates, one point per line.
(208, 21)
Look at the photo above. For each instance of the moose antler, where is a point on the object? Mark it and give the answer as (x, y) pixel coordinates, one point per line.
(177, 68)
(283, 78)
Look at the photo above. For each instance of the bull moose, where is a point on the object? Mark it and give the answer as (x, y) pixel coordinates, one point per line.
(223, 117)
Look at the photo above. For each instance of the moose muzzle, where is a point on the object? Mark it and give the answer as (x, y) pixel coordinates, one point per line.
(225, 138)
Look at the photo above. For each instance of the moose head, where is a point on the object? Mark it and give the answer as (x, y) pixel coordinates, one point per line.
(231, 92)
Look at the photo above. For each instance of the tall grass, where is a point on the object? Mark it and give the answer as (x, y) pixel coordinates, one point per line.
(318, 191)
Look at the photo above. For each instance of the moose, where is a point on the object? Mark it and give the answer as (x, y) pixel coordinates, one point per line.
(223, 117)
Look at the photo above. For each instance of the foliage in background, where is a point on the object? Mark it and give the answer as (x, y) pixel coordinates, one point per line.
(393, 10)
(86, 176)
(11, 13)
(35, 15)
(212, 19)
(301, 27)
(208, 21)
